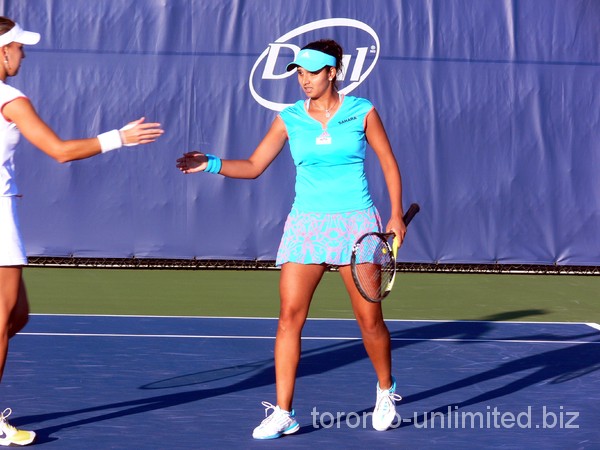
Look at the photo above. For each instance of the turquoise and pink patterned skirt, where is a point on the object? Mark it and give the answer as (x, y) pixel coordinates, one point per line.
(324, 238)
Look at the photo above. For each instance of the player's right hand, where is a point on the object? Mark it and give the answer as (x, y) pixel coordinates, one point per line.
(192, 162)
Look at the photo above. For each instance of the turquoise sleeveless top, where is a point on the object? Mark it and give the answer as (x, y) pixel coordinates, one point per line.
(330, 175)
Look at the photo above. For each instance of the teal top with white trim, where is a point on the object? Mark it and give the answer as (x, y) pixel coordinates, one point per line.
(330, 174)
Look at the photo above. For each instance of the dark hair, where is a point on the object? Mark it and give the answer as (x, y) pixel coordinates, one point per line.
(5, 25)
(330, 47)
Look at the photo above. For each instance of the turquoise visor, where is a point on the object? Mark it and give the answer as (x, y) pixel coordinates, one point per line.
(311, 60)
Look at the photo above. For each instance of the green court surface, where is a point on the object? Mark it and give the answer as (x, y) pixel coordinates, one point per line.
(254, 293)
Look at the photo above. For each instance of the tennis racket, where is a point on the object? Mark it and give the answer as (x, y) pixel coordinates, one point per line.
(373, 261)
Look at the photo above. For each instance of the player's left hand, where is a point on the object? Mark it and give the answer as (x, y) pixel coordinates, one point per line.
(397, 226)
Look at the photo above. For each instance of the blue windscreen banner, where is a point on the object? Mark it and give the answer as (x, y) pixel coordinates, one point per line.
(492, 109)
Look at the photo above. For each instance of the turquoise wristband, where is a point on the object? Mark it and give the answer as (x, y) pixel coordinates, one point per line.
(214, 164)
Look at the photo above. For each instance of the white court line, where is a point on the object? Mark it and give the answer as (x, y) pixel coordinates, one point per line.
(315, 338)
(181, 336)
(307, 338)
(591, 324)
(594, 325)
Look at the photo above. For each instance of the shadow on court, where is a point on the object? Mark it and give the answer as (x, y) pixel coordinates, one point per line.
(552, 367)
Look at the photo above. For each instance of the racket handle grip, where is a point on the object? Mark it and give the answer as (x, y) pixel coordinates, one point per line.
(412, 212)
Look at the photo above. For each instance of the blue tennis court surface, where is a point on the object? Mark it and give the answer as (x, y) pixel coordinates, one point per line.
(106, 382)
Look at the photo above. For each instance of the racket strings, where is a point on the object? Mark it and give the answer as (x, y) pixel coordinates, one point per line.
(374, 266)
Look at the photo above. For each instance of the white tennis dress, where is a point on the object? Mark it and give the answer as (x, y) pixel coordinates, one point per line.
(12, 250)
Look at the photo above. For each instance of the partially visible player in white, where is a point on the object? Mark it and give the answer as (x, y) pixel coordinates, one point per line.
(18, 116)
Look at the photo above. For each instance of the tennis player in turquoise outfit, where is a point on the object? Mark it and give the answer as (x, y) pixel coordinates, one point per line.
(329, 135)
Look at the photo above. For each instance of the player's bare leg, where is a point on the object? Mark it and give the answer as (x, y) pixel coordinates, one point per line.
(14, 308)
(375, 334)
(14, 311)
(297, 286)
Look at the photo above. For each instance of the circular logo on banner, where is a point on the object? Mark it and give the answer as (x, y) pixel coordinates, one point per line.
(361, 52)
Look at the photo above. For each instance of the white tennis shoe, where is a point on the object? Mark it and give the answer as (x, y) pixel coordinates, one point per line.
(278, 423)
(9, 435)
(385, 407)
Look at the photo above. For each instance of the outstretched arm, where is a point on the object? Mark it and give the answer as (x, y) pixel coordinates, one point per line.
(378, 140)
(35, 130)
(254, 166)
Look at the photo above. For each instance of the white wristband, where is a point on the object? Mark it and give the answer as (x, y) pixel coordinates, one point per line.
(111, 140)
